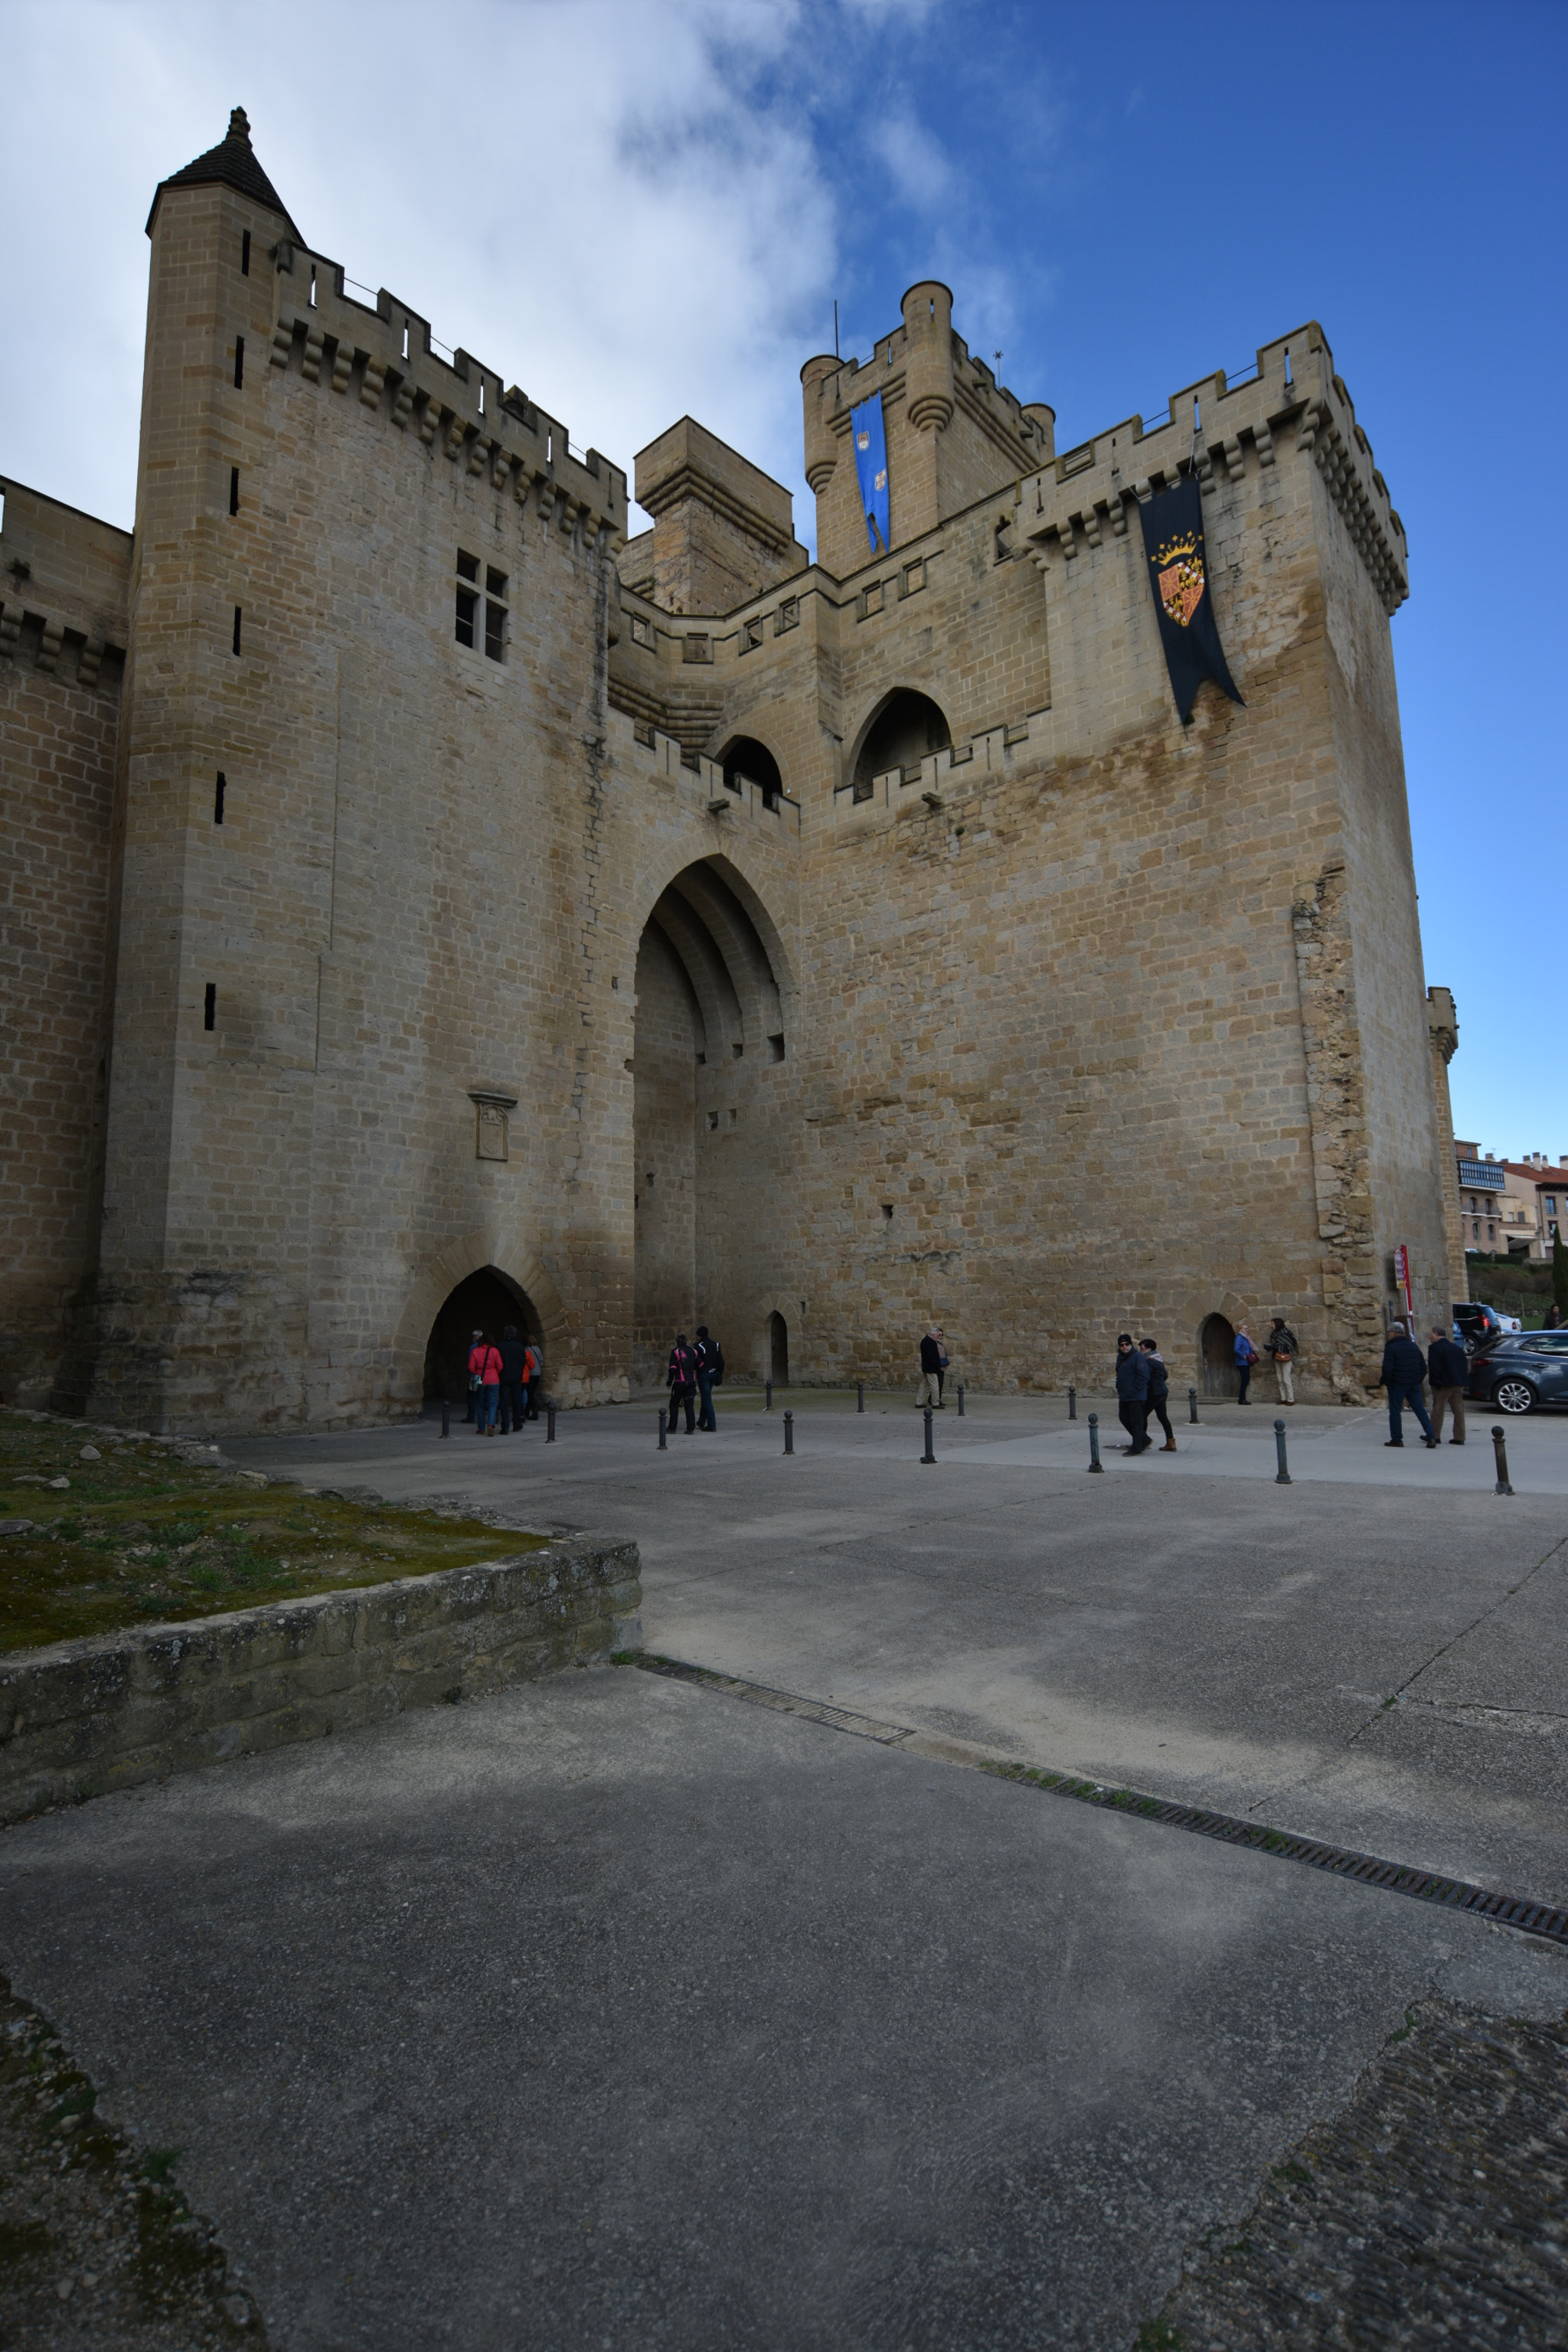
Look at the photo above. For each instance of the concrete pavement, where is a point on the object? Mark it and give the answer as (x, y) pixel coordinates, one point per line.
(1376, 1657)
(612, 2013)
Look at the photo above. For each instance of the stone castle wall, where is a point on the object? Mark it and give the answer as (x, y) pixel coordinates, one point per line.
(1086, 1022)
(64, 582)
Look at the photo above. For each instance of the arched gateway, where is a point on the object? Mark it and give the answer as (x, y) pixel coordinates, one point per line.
(486, 1301)
(712, 1141)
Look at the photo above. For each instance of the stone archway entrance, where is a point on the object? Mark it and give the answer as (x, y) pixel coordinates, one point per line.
(486, 1301)
(1216, 1359)
(711, 1134)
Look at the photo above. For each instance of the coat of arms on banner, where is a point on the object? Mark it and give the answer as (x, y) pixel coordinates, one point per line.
(1180, 564)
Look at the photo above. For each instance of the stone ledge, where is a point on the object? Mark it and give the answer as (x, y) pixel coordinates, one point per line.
(80, 1718)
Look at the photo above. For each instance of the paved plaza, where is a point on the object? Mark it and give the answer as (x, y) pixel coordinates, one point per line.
(616, 2011)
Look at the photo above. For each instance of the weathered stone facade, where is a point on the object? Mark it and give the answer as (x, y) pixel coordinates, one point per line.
(827, 947)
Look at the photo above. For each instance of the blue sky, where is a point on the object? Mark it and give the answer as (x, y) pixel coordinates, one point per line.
(642, 209)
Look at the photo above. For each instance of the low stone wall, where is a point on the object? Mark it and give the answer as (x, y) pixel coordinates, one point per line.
(78, 1718)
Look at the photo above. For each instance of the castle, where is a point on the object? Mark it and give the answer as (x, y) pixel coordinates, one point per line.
(428, 905)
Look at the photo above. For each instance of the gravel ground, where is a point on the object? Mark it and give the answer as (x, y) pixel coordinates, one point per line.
(1431, 2211)
(100, 2250)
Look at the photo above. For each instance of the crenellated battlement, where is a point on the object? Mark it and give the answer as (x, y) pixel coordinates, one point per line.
(384, 352)
(1088, 493)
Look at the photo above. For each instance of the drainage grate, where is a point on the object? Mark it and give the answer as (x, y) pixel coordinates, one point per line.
(1342, 1862)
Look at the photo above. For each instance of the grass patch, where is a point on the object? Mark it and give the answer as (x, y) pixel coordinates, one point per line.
(138, 1534)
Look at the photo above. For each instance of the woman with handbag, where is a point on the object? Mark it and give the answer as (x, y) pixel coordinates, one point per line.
(484, 1379)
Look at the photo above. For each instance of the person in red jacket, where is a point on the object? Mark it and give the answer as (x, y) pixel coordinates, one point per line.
(484, 1379)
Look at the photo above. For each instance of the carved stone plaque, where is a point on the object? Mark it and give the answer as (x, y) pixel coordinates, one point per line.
(489, 1122)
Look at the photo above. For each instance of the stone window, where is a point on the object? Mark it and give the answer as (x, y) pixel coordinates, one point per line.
(642, 631)
(698, 646)
(789, 615)
(495, 604)
(914, 577)
(752, 635)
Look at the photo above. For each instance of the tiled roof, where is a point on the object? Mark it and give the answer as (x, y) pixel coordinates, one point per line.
(233, 163)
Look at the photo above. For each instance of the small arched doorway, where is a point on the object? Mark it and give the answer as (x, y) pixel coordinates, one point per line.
(902, 731)
(778, 1350)
(1216, 1357)
(486, 1301)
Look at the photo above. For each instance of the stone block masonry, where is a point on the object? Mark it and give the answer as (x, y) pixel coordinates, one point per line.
(80, 1718)
(851, 944)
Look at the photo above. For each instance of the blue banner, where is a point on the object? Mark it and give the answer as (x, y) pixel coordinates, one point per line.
(871, 467)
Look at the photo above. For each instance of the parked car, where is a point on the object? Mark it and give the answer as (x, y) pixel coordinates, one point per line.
(1474, 1324)
(1521, 1369)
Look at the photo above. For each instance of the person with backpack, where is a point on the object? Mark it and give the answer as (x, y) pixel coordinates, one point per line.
(710, 1358)
(1246, 1356)
(1159, 1391)
(533, 1377)
(682, 1383)
(1283, 1346)
(513, 1381)
(929, 1390)
(1133, 1392)
(484, 1379)
(1403, 1369)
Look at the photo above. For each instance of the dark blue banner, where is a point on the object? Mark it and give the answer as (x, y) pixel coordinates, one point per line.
(871, 467)
(1184, 601)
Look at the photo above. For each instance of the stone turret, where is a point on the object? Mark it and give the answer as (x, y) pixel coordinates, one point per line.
(954, 434)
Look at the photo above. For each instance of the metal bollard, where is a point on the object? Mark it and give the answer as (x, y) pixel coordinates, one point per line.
(1500, 1451)
(961, 1400)
(789, 1430)
(860, 1396)
(1192, 1404)
(663, 1421)
(1282, 1477)
(550, 1424)
(445, 1418)
(1094, 1461)
(769, 1406)
(1072, 1403)
(930, 1454)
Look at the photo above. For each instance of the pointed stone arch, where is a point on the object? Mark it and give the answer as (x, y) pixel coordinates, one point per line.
(510, 1254)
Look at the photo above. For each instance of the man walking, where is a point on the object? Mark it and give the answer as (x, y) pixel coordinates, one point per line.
(682, 1383)
(513, 1381)
(710, 1358)
(1245, 1355)
(1159, 1389)
(1133, 1392)
(1283, 1346)
(1403, 1369)
(1447, 1369)
(929, 1388)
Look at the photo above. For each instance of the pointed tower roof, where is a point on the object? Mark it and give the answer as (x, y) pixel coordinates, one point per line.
(233, 163)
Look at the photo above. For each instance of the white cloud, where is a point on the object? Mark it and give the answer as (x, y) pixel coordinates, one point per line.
(618, 206)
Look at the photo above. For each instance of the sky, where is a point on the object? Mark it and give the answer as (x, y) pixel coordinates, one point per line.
(641, 208)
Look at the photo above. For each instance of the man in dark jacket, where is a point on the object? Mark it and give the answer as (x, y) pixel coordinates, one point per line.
(1159, 1391)
(1447, 1369)
(929, 1388)
(1403, 1369)
(682, 1383)
(513, 1381)
(710, 1358)
(1132, 1392)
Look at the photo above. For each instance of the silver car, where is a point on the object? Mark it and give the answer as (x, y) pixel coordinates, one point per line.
(1521, 1371)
